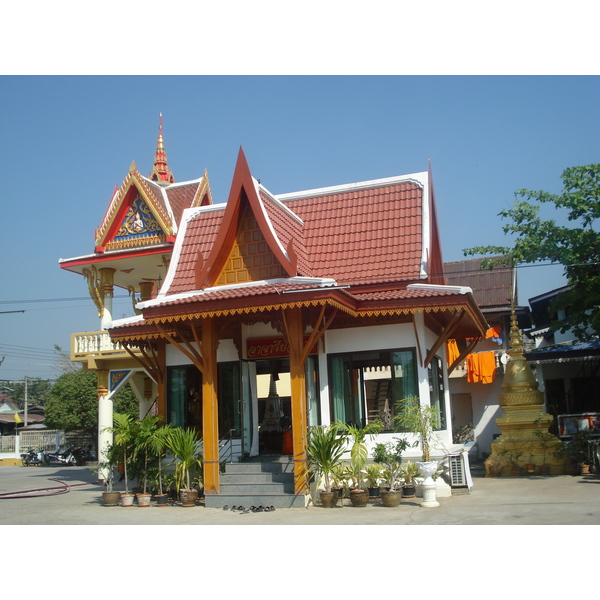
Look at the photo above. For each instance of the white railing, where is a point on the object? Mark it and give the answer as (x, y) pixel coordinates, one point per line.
(94, 343)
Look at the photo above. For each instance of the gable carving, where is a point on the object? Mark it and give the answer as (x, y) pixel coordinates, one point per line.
(138, 227)
(250, 258)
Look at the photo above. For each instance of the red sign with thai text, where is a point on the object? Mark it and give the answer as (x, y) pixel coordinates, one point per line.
(271, 348)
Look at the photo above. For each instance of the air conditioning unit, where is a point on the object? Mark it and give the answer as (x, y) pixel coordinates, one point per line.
(458, 474)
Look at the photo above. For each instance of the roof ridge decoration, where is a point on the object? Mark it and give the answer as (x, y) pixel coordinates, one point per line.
(135, 216)
(244, 201)
(433, 261)
(161, 173)
(202, 192)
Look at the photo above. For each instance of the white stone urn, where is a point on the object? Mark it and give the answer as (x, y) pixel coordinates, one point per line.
(427, 470)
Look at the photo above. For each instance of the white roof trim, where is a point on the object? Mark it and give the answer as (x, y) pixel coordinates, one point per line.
(126, 321)
(280, 204)
(267, 219)
(426, 228)
(317, 282)
(454, 289)
(419, 179)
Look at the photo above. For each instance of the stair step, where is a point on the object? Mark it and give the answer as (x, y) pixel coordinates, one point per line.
(248, 500)
(259, 481)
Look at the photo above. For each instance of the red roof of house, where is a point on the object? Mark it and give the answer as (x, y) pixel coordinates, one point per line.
(356, 246)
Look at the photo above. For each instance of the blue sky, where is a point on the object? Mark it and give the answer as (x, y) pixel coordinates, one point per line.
(68, 140)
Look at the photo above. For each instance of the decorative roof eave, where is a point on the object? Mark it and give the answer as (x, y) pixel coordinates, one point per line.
(202, 192)
(111, 255)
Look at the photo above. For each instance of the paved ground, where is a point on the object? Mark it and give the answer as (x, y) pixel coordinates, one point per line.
(556, 500)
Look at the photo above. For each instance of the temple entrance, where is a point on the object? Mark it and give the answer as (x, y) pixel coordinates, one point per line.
(274, 404)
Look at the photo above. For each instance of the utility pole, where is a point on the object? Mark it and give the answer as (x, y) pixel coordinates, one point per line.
(25, 425)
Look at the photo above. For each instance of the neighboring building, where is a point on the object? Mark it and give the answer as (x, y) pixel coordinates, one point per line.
(309, 307)
(474, 396)
(567, 369)
(12, 418)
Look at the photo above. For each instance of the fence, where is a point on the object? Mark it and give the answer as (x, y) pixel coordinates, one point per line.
(47, 440)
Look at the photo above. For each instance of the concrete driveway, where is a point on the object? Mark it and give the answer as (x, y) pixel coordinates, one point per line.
(555, 500)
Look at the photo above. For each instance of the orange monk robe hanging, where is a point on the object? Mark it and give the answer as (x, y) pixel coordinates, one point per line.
(481, 367)
(452, 352)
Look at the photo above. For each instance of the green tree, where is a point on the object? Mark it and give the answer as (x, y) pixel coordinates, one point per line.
(38, 391)
(575, 245)
(73, 402)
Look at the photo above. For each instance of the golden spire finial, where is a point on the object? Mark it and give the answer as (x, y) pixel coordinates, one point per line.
(160, 172)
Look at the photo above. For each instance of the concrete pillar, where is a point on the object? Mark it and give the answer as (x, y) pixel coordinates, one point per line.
(107, 277)
(105, 419)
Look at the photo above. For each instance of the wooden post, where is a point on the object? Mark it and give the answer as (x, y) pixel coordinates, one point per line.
(295, 330)
(210, 411)
(161, 383)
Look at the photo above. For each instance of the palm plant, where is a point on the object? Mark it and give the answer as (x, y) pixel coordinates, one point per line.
(359, 451)
(373, 473)
(422, 420)
(409, 472)
(124, 431)
(184, 444)
(159, 443)
(324, 449)
(144, 444)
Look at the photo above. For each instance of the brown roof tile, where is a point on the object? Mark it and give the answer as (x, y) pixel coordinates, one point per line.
(363, 236)
(490, 287)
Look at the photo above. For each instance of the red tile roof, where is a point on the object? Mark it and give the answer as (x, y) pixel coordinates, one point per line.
(358, 235)
(365, 235)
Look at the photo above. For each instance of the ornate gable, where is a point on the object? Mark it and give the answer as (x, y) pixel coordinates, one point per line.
(135, 217)
(247, 247)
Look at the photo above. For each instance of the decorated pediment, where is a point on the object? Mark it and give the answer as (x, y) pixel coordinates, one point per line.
(246, 247)
(136, 217)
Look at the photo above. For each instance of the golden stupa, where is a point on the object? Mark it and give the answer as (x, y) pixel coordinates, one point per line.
(524, 439)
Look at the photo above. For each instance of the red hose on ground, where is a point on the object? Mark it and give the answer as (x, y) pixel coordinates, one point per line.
(64, 488)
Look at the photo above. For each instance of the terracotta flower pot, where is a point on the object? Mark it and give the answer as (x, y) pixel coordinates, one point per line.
(127, 499)
(143, 499)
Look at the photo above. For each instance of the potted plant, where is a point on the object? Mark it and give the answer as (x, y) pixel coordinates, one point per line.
(389, 454)
(372, 475)
(144, 452)
(324, 449)
(185, 444)
(338, 480)
(359, 455)
(409, 474)
(110, 497)
(158, 444)
(124, 432)
(422, 421)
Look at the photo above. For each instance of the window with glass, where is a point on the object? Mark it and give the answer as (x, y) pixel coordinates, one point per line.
(184, 396)
(366, 386)
(437, 389)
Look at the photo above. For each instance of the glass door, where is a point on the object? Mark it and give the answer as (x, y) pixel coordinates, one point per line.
(248, 409)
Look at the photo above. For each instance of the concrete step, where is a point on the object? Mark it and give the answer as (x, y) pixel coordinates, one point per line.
(261, 481)
(249, 500)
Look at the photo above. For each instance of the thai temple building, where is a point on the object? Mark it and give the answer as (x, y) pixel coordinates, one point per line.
(258, 312)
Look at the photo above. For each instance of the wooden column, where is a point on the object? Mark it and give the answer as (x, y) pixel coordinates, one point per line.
(295, 331)
(161, 383)
(210, 411)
